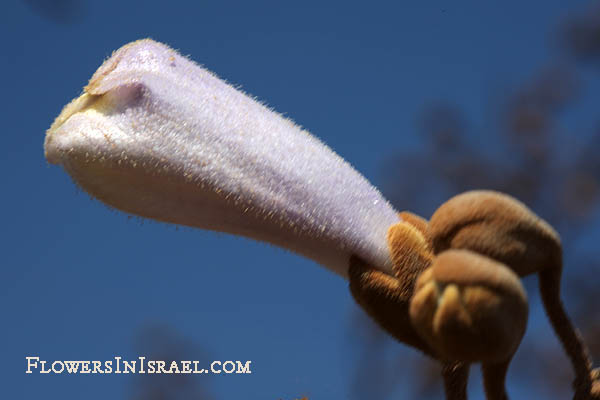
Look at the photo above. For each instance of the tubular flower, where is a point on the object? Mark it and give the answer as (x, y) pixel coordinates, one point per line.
(158, 136)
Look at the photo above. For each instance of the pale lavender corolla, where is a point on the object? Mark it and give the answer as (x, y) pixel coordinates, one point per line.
(158, 136)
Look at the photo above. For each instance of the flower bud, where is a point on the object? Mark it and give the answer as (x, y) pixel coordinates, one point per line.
(156, 135)
(497, 226)
(470, 308)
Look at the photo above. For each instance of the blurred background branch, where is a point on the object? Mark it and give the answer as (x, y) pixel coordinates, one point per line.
(161, 342)
(58, 11)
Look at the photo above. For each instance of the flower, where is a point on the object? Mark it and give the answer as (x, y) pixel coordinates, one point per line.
(158, 136)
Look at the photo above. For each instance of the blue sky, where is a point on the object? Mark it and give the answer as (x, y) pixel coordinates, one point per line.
(80, 281)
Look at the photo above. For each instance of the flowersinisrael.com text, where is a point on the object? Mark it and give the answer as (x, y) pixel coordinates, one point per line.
(138, 366)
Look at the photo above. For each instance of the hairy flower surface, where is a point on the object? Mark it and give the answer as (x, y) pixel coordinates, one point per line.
(156, 135)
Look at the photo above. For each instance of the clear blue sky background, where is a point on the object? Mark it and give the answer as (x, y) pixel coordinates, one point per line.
(82, 282)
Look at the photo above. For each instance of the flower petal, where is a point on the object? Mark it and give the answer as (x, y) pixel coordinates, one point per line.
(156, 135)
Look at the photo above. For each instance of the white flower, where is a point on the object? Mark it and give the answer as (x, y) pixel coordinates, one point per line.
(156, 135)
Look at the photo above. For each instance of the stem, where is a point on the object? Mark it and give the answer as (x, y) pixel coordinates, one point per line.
(494, 378)
(565, 330)
(456, 375)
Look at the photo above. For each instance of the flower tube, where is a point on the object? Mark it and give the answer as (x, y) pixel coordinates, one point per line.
(158, 136)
